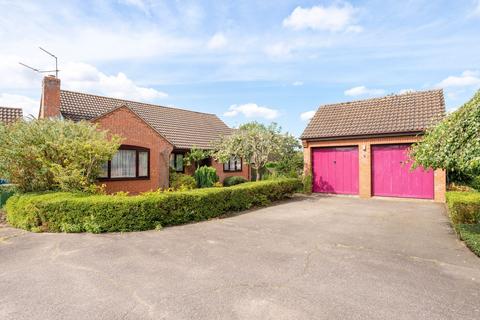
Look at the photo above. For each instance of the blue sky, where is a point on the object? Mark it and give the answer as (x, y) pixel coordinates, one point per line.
(243, 60)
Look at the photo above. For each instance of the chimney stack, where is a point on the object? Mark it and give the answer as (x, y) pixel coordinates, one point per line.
(50, 103)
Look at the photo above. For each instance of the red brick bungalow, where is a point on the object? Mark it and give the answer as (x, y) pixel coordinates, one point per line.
(9, 115)
(155, 137)
(361, 147)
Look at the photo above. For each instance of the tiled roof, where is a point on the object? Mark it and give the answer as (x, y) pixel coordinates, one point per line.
(8, 115)
(409, 112)
(183, 128)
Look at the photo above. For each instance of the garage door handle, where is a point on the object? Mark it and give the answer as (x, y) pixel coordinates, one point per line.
(334, 161)
(401, 162)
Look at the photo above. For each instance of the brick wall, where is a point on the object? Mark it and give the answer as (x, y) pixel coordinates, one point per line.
(136, 132)
(364, 153)
(223, 174)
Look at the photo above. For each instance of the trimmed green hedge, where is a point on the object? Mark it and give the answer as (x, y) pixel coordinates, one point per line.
(77, 212)
(233, 180)
(464, 207)
(470, 233)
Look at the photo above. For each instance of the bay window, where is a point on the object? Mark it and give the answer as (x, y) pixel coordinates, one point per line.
(128, 163)
(233, 165)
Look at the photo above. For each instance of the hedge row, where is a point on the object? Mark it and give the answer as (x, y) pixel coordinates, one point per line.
(470, 233)
(464, 207)
(74, 212)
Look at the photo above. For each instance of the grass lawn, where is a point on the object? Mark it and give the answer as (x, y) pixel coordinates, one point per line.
(470, 233)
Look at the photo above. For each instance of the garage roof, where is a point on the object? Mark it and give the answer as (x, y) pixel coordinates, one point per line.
(411, 112)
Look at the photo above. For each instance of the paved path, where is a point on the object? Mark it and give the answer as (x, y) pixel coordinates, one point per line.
(316, 258)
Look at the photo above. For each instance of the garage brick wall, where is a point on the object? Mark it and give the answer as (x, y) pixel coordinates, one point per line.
(364, 155)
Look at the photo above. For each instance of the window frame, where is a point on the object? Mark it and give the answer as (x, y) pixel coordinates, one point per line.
(175, 154)
(137, 165)
(234, 165)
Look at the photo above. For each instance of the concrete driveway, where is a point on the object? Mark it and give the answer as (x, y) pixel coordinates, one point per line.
(314, 258)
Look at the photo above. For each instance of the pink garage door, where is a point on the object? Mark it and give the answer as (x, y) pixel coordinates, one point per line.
(335, 170)
(391, 174)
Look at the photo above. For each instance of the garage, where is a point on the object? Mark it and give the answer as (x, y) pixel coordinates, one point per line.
(361, 147)
(392, 175)
(335, 170)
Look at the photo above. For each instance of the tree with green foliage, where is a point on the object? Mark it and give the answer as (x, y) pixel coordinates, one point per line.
(53, 154)
(288, 162)
(195, 156)
(453, 144)
(257, 144)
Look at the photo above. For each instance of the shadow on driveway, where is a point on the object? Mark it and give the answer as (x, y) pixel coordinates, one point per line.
(309, 258)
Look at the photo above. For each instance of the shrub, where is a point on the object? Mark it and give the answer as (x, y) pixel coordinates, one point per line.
(289, 164)
(205, 177)
(6, 191)
(454, 186)
(180, 181)
(464, 207)
(78, 212)
(454, 143)
(307, 184)
(8, 188)
(53, 154)
(475, 183)
(231, 181)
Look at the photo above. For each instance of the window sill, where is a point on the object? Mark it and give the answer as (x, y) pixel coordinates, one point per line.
(227, 171)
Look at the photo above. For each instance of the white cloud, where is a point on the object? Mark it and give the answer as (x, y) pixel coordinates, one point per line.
(329, 18)
(140, 4)
(299, 46)
(476, 9)
(297, 83)
(18, 77)
(354, 29)
(85, 77)
(278, 50)
(79, 77)
(121, 38)
(218, 41)
(252, 110)
(363, 91)
(306, 116)
(29, 105)
(468, 78)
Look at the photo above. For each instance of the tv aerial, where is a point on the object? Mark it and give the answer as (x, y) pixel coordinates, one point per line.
(44, 71)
